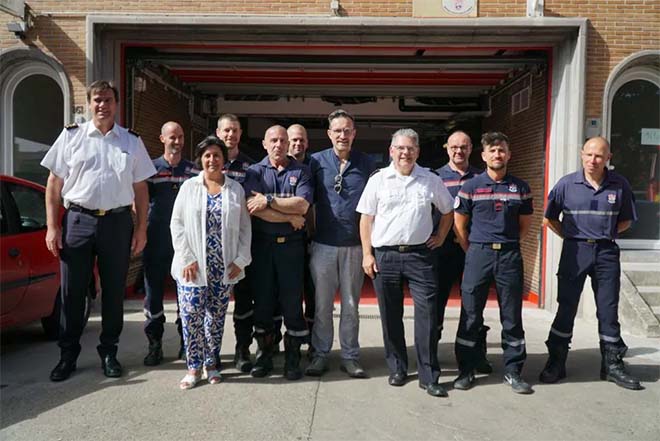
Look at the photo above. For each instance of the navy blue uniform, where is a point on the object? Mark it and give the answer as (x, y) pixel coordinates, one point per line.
(451, 257)
(158, 253)
(494, 253)
(276, 272)
(589, 227)
(243, 301)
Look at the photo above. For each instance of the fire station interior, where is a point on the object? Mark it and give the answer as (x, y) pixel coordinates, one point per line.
(435, 91)
(432, 90)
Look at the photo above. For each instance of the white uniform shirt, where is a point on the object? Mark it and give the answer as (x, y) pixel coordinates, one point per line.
(401, 205)
(98, 171)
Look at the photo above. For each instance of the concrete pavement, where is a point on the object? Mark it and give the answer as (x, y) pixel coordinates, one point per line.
(146, 403)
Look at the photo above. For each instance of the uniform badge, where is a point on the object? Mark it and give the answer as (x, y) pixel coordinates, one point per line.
(457, 202)
(175, 187)
(513, 188)
(293, 180)
(611, 198)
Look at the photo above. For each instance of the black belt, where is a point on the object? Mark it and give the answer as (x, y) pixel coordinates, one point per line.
(404, 248)
(603, 241)
(498, 246)
(278, 239)
(98, 213)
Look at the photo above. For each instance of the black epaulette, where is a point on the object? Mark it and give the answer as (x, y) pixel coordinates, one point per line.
(433, 171)
(134, 133)
(374, 172)
(71, 126)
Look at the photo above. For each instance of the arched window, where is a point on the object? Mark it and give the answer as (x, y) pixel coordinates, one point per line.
(633, 128)
(35, 107)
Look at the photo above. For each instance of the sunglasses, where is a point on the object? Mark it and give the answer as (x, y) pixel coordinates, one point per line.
(338, 180)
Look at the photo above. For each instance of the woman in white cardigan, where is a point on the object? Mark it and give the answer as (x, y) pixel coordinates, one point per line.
(211, 234)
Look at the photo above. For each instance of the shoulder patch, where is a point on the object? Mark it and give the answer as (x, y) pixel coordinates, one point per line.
(133, 132)
(374, 172)
(71, 126)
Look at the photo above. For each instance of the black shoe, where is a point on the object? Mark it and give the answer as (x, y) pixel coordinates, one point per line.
(518, 385)
(397, 379)
(111, 367)
(464, 381)
(434, 389)
(555, 367)
(317, 367)
(63, 370)
(353, 369)
(242, 359)
(155, 355)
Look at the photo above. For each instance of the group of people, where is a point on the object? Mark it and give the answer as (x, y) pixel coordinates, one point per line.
(294, 229)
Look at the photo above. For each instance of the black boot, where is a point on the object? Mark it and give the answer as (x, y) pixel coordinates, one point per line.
(613, 369)
(242, 358)
(292, 369)
(182, 346)
(155, 355)
(483, 366)
(264, 362)
(555, 367)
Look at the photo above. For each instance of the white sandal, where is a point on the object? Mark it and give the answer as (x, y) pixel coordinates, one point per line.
(213, 376)
(188, 382)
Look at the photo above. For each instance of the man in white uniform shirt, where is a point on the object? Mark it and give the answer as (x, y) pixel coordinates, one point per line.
(396, 232)
(97, 170)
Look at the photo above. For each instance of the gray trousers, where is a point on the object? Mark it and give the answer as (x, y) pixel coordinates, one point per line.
(335, 268)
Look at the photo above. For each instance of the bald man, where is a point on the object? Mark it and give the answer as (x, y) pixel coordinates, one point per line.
(279, 192)
(298, 143)
(171, 171)
(588, 209)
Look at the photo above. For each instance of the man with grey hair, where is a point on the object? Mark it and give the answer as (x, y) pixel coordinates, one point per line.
(396, 229)
(340, 174)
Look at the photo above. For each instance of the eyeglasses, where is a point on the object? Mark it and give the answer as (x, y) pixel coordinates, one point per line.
(345, 131)
(338, 180)
(458, 148)
(404, 148)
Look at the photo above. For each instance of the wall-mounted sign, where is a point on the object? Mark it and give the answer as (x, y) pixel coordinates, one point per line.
(650, 137)
(445, 8)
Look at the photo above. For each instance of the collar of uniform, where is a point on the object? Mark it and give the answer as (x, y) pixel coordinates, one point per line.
(266, 163)
(390, 171)
(607, 178)
(93, 131)
(490, 181)
(471, 171)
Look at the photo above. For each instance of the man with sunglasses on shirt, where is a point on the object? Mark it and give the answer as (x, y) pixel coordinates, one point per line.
(340, 174)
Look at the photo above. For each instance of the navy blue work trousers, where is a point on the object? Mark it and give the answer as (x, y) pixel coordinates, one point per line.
(157, 261)
(86, 238)
(600, 261)
(451, 261)
(483, 264)
(276, 281)
(243, 310)
(417, 268)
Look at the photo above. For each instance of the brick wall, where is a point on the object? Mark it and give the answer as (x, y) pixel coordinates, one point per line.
(526, 132)
(617, 29)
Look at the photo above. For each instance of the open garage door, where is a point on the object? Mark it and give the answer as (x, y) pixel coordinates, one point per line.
(435, 76)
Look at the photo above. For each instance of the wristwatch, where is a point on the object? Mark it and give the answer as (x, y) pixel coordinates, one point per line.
(269, 199)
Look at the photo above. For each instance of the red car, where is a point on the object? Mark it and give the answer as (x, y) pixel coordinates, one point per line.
(29, 273)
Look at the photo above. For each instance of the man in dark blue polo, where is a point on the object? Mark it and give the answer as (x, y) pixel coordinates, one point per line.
(171, 172)
(499, 208)
(279, 192)
(595, 205)
(229, 131)
(340, 174)
(451, 257)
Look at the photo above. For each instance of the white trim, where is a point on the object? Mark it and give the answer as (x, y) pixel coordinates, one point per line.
(620, 76)
(26, 62)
